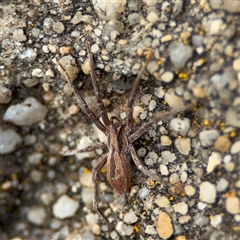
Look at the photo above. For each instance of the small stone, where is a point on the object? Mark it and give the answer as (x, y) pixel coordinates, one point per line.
(152, 17)
(29, 55)
(73, 109)
(235, 148)
(236, 64)
(5, 95)
(216, 220)
(222, 185)
(65, 50)
(214, 160)
(201, 220)
(37, 72)
(70, 66)
(37, 176)
(183, 145)
(202, 206)
(166, 38)
(143, 193)
(85, 177)
(27, 113)
(162, 201)
(232, 118)
(159, 92)
(94, 48)
(181, 208)
(230, 166)
(65, 207)
(199, 92)
(30, 82)
(168, 156)
(151, 158)
(214, 26)
(87, 195)
(77, 18)
(189, 190)
(130, 217)
(37, 215)
(207, 192)
(58, 27)
(49, 73)
(179, 54)
(35, 158)
(173, 100)
(167, 77)
(166, 141)
(19, 35)
(184, 177)
(134, 18)
(150, 229)
(164, 226)
(180, 126)
(85, 141)
(152, 105)
(164, 169)
(208, 137)
(222, 144)
(46, 198)
(183, 220)
(10, 140)
(233, 205)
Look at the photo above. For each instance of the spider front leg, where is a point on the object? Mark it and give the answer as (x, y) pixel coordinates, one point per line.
(86, 149)
(95, 172)
(150, 174)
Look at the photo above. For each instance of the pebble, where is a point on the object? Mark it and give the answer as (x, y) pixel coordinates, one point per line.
(5, 95)
(36, 176)
(216, 220)
(230, 166)
(222, 144)
(201, 220)
(184, 177)
(87, 195)
(37, 215)
(94, 48)
(77, 18)
(85, 177)
(159, 92)
(164, 226)
(167, 77)
(35, 158)
(199, 92)
(208, 137)
(184, 219)
(166, 38)
(19, 35)
(143, 193)
(37, 72)
(179, 54)
(183, 145)
(134, 18)
(130, 217)
(232, 118)
(65, 207)
(30, 82)
(28, 55)
(151, 158)
(189, 190)
(168, 156)
(181, 208)
(27, 113)
(141, 152)
(164, 169)
(73, 109)
(58, 27)
(235, 148)
(152, 17)
(162, 201)
(214, 160)
(179, 126)
(46, 198)
(70, 66)
(150, 229)
(85, 141)
(10, 140)
(201, 205)
(165, 141)
(207, 192)
(172, 99)
(152, 105)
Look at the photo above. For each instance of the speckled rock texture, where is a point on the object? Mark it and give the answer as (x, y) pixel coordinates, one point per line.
(195, 59)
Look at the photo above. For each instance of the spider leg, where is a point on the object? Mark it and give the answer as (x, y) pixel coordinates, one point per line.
(82, 102)
(86, 149)
(150, 174)
(96, 88)
(95, 172)
(132, 97)
(161, 116)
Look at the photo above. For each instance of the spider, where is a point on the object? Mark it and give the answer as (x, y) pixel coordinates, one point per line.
(120, 137)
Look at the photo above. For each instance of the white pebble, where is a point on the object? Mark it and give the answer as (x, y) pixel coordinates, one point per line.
(168, 156)
(152, 17)
(181, 208)
(94, 48)
(10, 140)
(130, 217)
(180, 126)
(183, 145)
(151, 158)
(162, 201)
(27, 113)
(167, 77)
(35, 158)
(85, 141)
(87, 194)
(214, 160)
(207, 192)
(233, 205)
(65, 207)
(166, 141)
(36, 175)
(208, 137)
(216, 220)
(189, 190)
(5, 95)
(37, 215)
(164, 169)
(143, 193)
(85, 178)
(37, 72)
(183, 177)
(235, 148)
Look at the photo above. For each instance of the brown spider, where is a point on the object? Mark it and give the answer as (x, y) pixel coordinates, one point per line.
(119, 135)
